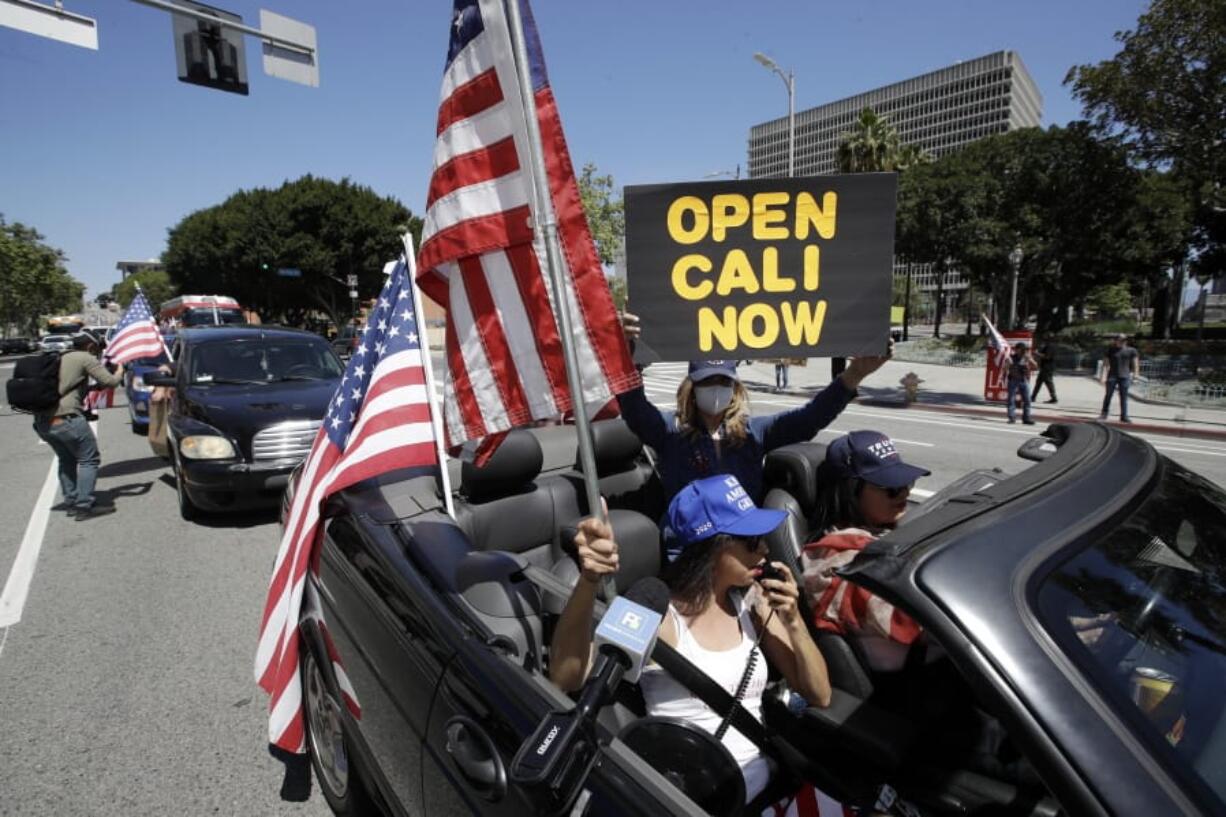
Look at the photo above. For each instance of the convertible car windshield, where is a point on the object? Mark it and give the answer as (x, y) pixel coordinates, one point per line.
(1142, 611)
(263, 360)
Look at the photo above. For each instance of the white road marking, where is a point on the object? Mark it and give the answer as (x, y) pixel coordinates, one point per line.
(13, 599)
(921, 493)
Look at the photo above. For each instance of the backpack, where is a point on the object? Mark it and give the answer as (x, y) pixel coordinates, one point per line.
(35, 385)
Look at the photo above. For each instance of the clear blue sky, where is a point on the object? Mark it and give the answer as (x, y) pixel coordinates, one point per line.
(104, 151)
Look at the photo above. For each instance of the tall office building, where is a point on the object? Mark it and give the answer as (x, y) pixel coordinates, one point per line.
(940, 112)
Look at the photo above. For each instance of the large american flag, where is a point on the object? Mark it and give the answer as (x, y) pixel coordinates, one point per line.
(136, 335)
(480, 257)
(378, 420)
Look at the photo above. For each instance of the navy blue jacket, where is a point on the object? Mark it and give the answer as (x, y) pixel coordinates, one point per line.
(683, 458)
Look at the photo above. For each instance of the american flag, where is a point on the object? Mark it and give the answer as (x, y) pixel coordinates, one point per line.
(998, 344)
(136, 335)
(96, 399)
(480, 258)
(378, 420)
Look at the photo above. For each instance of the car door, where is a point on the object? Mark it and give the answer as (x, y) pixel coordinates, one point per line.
(391, 657)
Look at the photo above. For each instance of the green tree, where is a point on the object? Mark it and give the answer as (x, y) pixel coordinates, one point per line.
(1164, 94)
(328, 230)
(605, 211)
(33, 280)
(1110, 300)
(617, 288)
(154, 282)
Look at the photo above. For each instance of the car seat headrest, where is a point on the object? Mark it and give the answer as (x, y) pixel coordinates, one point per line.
(794, 468)
(616, 447)
(513, 466)
(638, 546)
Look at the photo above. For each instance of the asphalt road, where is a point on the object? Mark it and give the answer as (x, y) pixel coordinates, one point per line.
(126, 672)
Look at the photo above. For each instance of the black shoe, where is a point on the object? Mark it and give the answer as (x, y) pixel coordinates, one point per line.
(94, 511)
(64, 506)
(1028, 422)
(1053, 400)
(1125, 420)
(1011, 420)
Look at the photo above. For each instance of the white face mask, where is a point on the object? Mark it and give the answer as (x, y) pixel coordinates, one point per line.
(712, 399)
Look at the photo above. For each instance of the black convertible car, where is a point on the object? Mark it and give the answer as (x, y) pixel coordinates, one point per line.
(1075, 649)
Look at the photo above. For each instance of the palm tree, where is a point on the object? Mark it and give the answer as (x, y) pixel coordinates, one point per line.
(873, 146)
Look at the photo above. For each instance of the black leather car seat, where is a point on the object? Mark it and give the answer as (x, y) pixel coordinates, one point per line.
(638, 551)
(790, 476)
(625, 477)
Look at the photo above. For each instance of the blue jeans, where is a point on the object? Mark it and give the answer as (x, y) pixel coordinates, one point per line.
(76, 448)
(1015, 388)
(1121, 383)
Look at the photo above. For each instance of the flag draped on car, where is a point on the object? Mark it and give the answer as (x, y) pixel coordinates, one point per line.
(136, 335)
(378, 421)
(481, 257)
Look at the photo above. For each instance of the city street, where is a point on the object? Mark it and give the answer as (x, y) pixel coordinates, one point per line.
(126, 642)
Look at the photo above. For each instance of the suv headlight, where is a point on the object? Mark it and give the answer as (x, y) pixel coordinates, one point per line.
(206, 447)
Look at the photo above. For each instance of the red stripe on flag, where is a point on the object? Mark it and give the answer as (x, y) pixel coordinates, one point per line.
(488, 321)
(471, 98)
(527, 270)
(462, 387)
(598, 314)
(353, 474)
(401, 415)
(477, 235)
(476, 166)
(413, 375)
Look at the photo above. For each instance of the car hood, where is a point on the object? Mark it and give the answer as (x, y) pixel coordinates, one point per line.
(239, 411)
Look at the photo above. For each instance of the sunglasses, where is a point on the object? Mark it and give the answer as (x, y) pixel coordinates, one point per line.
(894, 493)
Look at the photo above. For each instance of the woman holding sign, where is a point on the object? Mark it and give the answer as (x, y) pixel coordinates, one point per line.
(712, 431)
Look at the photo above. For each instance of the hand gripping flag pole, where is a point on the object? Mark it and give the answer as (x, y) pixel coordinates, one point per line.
(547, 223)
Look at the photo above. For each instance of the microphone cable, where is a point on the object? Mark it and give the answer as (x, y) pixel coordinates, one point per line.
(750, 664)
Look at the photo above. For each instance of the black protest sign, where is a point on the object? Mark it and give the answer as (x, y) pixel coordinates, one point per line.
(762, 268)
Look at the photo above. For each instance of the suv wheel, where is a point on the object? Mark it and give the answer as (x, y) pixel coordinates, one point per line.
(187, 510)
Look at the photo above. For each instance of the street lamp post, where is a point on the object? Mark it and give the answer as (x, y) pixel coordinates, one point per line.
(1015, 259)
(789, 80)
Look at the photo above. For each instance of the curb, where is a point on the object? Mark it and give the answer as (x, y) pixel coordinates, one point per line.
(991, 411)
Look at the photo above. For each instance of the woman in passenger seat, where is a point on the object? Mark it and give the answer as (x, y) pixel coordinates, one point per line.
(719, 602)
(868, 497)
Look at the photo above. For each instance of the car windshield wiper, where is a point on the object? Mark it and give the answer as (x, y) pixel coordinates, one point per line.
(229, 381)
(299, 377)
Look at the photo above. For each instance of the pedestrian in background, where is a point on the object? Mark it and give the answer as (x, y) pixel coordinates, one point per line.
(1121, 363)
(1046, 355)
(781, 373)
(66, 429)
(1021, 364)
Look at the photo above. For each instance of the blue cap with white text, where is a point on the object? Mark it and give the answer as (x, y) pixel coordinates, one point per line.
(714, 505)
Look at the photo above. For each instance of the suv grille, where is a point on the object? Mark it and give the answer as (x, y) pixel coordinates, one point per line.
(289, 440)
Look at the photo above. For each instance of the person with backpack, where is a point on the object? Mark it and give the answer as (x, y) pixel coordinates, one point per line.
(53, 388)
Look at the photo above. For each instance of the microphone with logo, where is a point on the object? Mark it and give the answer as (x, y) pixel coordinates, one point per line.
(623, 643)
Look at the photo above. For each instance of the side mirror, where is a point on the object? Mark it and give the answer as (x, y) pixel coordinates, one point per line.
(160, 379)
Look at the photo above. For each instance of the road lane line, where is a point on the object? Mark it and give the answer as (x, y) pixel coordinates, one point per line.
(13, 599)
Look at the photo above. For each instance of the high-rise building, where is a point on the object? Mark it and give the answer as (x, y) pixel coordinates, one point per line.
(940, 112)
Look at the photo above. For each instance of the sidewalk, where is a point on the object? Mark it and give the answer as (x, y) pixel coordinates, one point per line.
(959, 390)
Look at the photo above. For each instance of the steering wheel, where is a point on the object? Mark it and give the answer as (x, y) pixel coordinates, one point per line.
(692, 760)
(302, 370)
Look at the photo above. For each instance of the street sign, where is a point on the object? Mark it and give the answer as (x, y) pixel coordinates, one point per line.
(49, 21)
(287, 63)
(209, 54)
(352, 281)
(289, 272)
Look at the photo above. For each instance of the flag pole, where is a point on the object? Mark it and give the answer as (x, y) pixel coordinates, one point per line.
(546, 222)
(436, 422)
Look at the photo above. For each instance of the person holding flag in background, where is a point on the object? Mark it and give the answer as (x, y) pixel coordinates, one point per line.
(136, 336)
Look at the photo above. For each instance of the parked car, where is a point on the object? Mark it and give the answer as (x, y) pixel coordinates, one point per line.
(138, 390)
(17, 346)
(1080, 605)
(55, 343)
(246, 406)
(346, 341)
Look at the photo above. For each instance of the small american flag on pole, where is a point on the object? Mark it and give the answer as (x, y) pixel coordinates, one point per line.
(136, 335)
(998, 344)
(481, 257)
(378, 420)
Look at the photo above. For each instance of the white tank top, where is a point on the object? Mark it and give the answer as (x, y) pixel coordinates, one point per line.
(666, 697)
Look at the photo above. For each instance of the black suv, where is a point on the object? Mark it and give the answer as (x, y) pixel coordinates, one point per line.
(247, 404)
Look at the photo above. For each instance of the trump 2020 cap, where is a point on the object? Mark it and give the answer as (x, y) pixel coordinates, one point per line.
(714, 505)
(872, 457)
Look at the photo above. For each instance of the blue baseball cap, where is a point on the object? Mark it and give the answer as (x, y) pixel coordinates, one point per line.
(872, 457)
(714, 505)
(702, 369)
